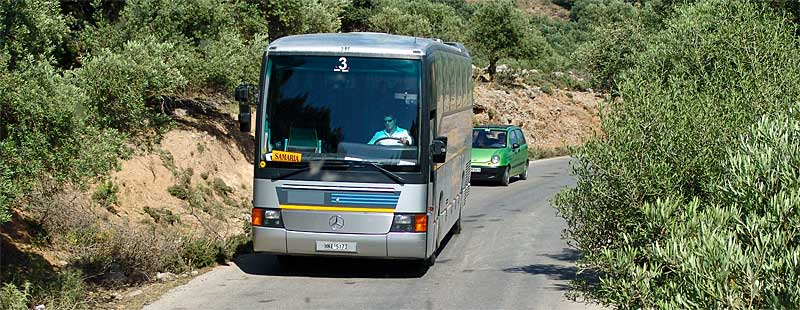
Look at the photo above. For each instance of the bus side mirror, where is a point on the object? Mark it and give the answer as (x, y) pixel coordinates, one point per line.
(439, 150)
(242, 95)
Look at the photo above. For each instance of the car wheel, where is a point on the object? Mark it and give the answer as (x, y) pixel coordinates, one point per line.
(506, 177)
(524, 174)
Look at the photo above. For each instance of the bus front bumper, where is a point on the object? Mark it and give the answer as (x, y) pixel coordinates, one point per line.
(390, 245)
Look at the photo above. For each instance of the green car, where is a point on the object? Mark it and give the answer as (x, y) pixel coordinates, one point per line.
(498, 153)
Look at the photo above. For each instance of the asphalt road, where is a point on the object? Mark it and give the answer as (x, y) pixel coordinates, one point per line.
(509, 256)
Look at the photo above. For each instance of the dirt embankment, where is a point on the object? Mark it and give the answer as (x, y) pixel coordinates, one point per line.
(211, 153)
(549, 120)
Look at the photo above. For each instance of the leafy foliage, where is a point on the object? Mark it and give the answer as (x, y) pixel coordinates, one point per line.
(678, 204)
(500, 30)
(30, 29)
(418, 18)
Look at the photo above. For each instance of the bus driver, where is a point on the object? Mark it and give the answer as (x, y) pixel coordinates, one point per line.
(392, 135)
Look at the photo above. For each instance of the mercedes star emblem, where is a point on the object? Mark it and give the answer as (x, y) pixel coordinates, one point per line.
(336, 222)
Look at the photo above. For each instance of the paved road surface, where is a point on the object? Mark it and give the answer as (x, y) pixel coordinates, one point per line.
(509, 256)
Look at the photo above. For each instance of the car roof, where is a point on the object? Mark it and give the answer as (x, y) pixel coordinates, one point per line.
(491, 126)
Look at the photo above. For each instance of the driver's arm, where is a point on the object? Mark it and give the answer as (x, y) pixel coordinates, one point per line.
(375, 137)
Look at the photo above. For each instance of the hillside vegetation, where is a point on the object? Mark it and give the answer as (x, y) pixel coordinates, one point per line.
(690, 197)
(686, 196)
(118, 157)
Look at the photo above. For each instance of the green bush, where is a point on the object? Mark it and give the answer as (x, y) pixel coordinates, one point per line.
(290, 17)
(221, 188)
(45, 141)
(739, 250)
(418, 18)
(119, 85)
(500, 30)
(106, 194)
(15, 298)
(30, 29)
(653, 179)
(199, 252)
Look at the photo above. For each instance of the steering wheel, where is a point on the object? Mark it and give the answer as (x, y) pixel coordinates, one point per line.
(400, 140)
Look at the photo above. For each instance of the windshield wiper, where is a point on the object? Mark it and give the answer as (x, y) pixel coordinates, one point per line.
(398, 179)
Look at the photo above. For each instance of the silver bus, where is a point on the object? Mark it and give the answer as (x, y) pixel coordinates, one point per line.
(363, 145)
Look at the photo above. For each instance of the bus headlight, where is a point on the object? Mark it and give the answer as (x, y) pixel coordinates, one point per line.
(267, 217)
(495, 159)
(410, 223)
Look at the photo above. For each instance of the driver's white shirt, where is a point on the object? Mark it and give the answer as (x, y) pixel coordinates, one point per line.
(398, 133)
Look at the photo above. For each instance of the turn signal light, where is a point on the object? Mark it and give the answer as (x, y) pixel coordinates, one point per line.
(257, 217)
(420, 223)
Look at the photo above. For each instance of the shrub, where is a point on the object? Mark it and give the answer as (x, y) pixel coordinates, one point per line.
(119, 85)
(199, 252)
(162, 216)
(500, 30)
(547, 89)
(106, 194)
(738, 250)
(30, 30)
(418, 18)
(221, 188)
(15, 298)
(691, 94)
(302, 16)
(44, 138)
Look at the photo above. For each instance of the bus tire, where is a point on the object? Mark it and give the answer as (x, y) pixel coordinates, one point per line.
(506, 177)
(457, 225)
(430, 261)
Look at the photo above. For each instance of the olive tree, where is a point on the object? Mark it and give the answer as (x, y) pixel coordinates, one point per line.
(418, 18)
(500, 30)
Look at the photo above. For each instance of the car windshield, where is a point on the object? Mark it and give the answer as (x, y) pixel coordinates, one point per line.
(350, 108)
(488, 138)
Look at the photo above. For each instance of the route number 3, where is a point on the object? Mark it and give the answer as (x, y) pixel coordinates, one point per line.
(342, 66)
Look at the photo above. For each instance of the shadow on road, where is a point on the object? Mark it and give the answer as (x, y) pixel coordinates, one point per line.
(490, 183)
(329, 267)
(562, 272)
(552, 271)
(567, 255)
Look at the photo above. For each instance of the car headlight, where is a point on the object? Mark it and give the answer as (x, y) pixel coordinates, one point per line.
(495, 159)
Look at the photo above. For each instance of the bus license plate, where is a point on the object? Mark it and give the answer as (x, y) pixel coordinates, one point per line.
(332, 246)
(475, 169)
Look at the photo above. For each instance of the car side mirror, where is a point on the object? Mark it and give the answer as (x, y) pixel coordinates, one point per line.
(515, 146)
(242, 95)
(439, 150)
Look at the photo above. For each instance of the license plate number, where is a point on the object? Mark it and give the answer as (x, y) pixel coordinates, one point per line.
(475, 169)
(333, 246)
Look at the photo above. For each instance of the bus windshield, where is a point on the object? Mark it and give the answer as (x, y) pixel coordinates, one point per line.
(343, 108)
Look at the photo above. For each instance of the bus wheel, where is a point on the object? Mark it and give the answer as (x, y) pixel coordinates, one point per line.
(430, 261)
(524, 174)
(506, 177)
(457, 225)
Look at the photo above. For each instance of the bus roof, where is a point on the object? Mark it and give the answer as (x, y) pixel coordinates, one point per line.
(369, 44)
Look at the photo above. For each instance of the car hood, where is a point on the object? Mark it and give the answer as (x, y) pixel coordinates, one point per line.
(485, 155)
